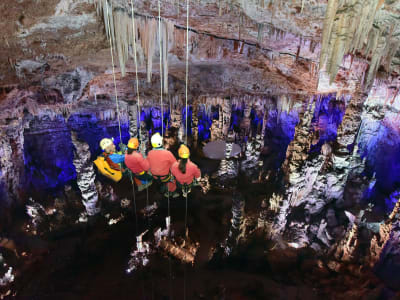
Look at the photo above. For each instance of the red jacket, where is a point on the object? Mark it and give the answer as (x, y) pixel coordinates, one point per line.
(136, 163)
(192, 171)
(160, 161)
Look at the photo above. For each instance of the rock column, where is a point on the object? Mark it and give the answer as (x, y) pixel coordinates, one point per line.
(237, 224)
(133, 120)
(85, 175)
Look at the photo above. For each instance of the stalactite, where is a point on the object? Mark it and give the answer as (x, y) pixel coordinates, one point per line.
(260, 33)
(122, 35)
(357, 26)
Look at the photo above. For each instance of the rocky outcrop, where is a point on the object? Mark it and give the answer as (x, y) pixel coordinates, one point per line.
(85, 176)
(70, 84)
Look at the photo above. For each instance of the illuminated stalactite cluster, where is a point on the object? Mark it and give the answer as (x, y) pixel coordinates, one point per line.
(359, 26)
(147, 35)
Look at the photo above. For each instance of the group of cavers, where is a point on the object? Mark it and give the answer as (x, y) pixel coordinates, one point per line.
(160, 165)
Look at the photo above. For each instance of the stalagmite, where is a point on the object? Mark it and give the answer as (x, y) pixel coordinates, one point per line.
(228, 167)
(85, 175)
(237, 223)
(298, 149)
(226, 113)
(144, 139)
(133, 121)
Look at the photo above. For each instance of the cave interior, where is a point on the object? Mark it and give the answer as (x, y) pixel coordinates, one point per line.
(290, 109)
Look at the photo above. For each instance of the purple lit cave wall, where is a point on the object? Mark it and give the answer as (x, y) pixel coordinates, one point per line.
(206, 115)
(379, 144)
(328, 115)
(48, 154)
(279, 131)
(151, 117)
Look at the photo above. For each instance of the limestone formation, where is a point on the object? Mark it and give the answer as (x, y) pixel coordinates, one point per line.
(85, 176)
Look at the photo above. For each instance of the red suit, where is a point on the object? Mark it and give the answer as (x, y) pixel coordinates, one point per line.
(160, 163)
(136, 163)
(192, 172)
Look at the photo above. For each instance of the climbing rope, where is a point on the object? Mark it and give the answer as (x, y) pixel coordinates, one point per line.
(186, 108)
(161, 72)
(134, 203)
(113, 72)
(187, 65)
(136, 68)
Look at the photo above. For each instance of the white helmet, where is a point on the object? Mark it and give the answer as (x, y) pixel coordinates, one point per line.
(156, 140)
(104, 143)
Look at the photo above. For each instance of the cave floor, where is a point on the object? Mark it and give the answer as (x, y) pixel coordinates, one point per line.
(88, 261)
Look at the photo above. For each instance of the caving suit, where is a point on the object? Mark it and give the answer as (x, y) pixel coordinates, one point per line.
(139, 167)
(185, 180)
(160, 161)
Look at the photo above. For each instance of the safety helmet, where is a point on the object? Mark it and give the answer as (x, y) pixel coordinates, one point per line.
(104, 143)
(183, 151)
(156, 140)
(133, 143)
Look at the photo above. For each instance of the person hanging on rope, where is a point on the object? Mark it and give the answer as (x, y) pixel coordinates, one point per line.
(160, 161)
(111, 156)
(138, 165)
(109, 163)
(185, 171)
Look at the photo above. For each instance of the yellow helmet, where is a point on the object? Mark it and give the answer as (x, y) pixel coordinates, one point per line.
(183, 151)
(104, 143)
(133, 143)
(156, 140)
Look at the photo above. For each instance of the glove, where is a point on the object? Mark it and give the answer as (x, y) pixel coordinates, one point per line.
(122, 147)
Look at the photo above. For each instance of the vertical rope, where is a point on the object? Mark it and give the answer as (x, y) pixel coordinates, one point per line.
(186, 236)
(186, 209)
(134, 203)
(113, 72)
(187, 65)
(136, 67)
(169, 212)
(186, 102)
(161, 73)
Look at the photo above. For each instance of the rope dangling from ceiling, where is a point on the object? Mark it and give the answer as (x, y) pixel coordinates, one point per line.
(187, 66)
(161, 72)
(113, 69)
(136, 68)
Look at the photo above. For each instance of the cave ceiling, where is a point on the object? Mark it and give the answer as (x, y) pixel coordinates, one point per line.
(237, 47)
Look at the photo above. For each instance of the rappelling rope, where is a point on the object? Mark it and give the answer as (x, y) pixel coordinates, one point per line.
(113, 71)
(161, 73)
(134, 203)
(186, 108)
(136, 68)
(187, 65)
